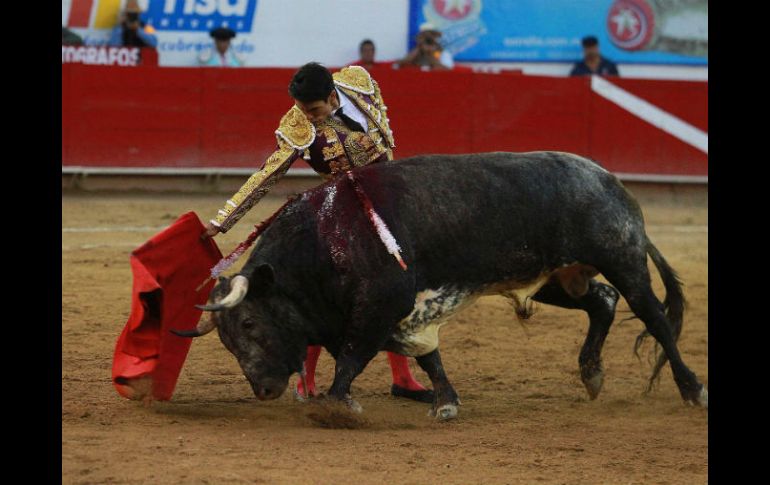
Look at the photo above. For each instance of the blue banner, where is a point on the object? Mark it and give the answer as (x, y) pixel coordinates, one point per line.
(200, 15)
(629, 31)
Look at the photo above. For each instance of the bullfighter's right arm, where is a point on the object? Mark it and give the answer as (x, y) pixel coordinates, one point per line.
(294, 135)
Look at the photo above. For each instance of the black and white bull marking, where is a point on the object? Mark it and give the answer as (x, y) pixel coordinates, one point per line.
(528, 226)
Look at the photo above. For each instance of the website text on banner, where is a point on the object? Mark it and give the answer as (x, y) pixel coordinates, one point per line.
(629, 31)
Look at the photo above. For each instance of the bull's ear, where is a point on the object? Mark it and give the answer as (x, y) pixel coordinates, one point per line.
(264, 274)
(261, 278)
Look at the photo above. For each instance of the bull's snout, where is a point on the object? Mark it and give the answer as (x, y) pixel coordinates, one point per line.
(267, 389)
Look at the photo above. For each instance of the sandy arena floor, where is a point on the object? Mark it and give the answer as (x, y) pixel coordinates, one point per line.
(525, 417)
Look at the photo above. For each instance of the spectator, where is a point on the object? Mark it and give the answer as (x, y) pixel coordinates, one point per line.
(593, 62)
(428, 54)
(133, 32)
(366, 51)
(69, 37)
(222, 54)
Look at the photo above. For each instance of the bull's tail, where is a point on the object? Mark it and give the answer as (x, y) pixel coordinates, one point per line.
(673, 305)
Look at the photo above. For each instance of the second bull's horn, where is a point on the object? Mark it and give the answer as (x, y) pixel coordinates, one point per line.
(205, 325)
(239, 286)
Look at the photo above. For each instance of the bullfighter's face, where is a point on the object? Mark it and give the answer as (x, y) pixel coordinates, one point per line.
(320, 110)
(251, 332)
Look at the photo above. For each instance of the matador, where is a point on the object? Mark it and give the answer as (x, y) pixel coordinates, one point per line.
(339, 121)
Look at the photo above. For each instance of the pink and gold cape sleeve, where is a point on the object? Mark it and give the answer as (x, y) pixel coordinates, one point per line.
(294, 134)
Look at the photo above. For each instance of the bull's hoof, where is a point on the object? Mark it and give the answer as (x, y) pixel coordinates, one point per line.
(353, 405)
(701, 399)
(301, 398)
(328, 412)
(328, 400)
(594, 384)
(444, 412)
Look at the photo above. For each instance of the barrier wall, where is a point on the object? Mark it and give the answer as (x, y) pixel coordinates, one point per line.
(196, 117)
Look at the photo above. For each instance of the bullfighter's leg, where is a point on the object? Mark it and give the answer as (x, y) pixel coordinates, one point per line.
(313, 352)
(445, 401)
(634, 285)
(404, 383)
(599, 302)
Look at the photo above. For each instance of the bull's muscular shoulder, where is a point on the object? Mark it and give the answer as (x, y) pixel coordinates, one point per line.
(296, 130)
(355, 78)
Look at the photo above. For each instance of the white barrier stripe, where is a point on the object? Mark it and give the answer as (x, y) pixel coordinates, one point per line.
(114, 229)
(100, 246)
(173, 171)
(676, 228)
(665, 179)
(651, 114)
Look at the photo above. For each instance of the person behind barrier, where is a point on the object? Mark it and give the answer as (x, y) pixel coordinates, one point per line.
(223, 54)
(69, 37)
(593, 62)
(338, 121)
(366, 51)
(131, 31)
(428, 53)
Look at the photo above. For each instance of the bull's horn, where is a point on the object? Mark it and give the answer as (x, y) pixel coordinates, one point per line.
(205, 325)
(239, 286)
(186, 333)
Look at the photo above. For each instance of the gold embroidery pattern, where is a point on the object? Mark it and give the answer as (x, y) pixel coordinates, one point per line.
(340, 165)
(384, 121)
(296, 129)
(257, 185)
(359, 148)
(333, 151)
(356, 78)
(329, 129)
(356, 149)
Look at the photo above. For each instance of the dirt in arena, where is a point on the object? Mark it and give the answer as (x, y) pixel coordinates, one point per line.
(525, 416)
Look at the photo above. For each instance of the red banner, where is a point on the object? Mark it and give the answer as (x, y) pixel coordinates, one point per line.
(213, 117)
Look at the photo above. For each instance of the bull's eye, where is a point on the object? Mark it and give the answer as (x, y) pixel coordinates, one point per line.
(248, 324)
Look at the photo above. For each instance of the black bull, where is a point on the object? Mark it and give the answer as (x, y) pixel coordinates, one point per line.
(528, 226)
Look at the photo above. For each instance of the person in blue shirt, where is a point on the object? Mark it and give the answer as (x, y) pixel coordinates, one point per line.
(132, 32)
(222, 55)
(593, 62)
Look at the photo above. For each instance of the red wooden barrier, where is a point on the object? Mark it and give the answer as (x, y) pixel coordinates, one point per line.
(213, 117)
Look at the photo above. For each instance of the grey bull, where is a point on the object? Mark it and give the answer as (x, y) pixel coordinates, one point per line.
(528, 226)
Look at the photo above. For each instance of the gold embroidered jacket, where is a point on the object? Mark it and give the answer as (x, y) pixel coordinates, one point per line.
(329, 148)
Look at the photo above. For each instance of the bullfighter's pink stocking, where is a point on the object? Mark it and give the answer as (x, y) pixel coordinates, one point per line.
(402, 376)
(399, 366)
(313, 352)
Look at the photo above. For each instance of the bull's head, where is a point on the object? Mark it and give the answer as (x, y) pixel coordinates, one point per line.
(258, 325)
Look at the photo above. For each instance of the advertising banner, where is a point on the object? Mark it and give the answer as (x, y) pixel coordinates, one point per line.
(108, 56)
(269, 33)
(629, 31)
